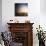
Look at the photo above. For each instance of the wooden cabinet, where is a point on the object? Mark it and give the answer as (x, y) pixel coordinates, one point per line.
(22, 33)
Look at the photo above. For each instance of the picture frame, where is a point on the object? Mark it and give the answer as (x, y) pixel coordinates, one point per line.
(21, 9)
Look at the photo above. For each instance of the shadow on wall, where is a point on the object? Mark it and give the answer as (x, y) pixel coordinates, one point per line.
(0, 14)
(43, 6)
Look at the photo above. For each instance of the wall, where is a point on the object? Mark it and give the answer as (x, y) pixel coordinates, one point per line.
(8, 11)
(43, 14)
(35, 15)
(0, 15)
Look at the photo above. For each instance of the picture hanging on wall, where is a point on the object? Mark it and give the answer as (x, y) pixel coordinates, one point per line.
(21, 9)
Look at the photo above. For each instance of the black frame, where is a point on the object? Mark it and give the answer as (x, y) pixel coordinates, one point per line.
(17, 5)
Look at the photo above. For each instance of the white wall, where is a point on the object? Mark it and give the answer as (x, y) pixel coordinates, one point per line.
(43, 14)
(34, 15)
(8, 11)
(0, 15)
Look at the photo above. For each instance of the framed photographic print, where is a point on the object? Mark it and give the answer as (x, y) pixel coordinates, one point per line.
(21, 9)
